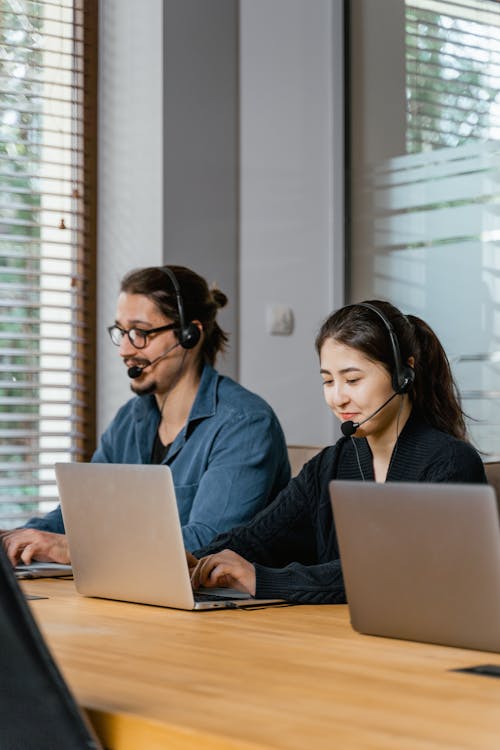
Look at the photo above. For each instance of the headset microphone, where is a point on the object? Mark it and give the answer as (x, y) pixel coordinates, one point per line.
(136, 370)
(349, 428)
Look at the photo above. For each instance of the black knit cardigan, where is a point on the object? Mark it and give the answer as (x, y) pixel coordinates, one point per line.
(293, 543)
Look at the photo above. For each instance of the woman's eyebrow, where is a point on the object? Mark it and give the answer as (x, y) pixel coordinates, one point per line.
(324, 371)
(350, 369)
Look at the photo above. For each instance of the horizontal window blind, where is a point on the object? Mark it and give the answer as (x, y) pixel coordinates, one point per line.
(426, 181)
(452, 72)
(446, 204)
(47, 254)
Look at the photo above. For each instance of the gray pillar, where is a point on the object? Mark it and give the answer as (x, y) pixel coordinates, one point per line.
(201, 148)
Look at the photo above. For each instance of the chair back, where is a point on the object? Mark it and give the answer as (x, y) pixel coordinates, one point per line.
(37, 710)
(492, 470)
(298, 455)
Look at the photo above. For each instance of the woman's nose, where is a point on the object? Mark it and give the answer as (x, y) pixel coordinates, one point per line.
(339, 395)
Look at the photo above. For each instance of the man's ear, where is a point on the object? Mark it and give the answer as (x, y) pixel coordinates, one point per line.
(199, 326)
(198, 329)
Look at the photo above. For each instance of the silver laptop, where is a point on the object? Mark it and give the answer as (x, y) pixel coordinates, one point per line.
(125, 538)
(43, 570)
(421, 561)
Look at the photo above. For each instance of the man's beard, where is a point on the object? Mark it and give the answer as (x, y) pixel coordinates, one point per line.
(144, 390)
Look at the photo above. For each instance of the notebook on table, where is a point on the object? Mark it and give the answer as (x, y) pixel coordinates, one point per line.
(125, 538)
(421, 561)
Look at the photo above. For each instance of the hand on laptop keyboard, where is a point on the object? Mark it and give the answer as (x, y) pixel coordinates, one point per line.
(25, 545)
(226, 569)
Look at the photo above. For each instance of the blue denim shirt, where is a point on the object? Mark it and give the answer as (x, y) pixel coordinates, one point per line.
(229, 460)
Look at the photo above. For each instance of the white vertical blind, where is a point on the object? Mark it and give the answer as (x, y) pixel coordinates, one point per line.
(44, 268)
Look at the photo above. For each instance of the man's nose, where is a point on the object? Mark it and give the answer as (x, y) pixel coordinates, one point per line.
(126, 348)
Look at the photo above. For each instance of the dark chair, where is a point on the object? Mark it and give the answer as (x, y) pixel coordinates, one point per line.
(37, 710)
(492, 470)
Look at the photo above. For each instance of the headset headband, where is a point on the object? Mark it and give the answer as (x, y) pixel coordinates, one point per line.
(189, 334)
(403, 375)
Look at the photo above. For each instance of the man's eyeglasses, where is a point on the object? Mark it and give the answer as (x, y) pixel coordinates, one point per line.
(137, 336)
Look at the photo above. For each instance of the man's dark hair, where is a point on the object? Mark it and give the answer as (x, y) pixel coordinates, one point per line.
(199, 302)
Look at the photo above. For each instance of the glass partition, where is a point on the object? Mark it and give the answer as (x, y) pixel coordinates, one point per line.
(425, 180)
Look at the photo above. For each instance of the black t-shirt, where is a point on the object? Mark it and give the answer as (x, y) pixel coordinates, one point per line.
(159, 450)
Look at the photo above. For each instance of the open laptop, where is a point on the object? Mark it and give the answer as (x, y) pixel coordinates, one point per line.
(125, 538)
(421, 561)
(43, 570)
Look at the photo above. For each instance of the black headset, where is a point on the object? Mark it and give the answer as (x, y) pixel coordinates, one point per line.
(188, 333)
(403, 376)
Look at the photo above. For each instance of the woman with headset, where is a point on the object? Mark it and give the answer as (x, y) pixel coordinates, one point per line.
(387, 379)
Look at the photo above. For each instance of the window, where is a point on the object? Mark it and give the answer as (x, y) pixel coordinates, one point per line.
(425, 180)
(47, 246)
(452, 73)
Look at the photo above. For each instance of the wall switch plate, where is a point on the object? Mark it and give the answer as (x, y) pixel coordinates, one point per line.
(279, 320)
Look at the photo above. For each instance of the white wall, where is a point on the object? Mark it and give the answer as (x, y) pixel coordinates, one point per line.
(290, 180)
(201, 149)
(291, 200)
(130, 218)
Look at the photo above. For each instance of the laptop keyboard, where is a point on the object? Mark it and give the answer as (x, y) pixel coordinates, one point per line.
(202, 596)
(43, 570)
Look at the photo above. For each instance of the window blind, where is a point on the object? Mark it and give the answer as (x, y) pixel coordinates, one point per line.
(425, 188)
(452, 72)
(47, 247)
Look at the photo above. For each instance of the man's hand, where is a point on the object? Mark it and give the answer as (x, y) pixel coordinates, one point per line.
(192, 562)
(25, 545)
(225, 568)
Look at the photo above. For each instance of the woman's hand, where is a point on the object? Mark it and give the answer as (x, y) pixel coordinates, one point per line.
(226, 569)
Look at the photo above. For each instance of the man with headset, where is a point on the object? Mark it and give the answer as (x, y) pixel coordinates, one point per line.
(224, 444)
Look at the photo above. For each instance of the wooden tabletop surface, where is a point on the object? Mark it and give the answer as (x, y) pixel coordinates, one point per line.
(288, 678)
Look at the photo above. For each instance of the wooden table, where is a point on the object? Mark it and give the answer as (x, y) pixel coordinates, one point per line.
(289, 678)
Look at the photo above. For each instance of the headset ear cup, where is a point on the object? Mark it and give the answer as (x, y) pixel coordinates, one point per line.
(407, 380)
(189, 336)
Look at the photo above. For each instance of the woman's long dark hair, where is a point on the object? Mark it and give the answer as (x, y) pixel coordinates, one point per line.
(199, 302)
(434, 394)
